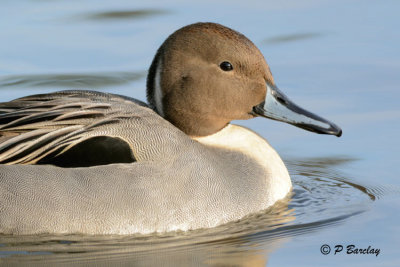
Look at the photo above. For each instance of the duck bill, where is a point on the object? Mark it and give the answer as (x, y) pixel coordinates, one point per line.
(278, 106)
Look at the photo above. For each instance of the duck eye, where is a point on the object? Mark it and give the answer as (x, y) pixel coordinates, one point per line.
(226, 66)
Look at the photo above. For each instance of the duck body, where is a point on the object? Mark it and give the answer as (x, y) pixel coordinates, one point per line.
(96, 163)
(175, 183)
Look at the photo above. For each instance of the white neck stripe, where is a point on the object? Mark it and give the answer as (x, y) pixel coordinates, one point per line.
(157, 89)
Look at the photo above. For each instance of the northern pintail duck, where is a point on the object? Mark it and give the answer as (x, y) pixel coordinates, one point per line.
(98, 163)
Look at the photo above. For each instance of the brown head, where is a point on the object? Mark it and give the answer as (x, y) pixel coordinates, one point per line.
(206, 75)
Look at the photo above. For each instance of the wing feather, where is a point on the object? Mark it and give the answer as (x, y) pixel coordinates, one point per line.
(39, 128)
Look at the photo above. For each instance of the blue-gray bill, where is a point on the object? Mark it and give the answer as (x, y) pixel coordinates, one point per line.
(277, 106)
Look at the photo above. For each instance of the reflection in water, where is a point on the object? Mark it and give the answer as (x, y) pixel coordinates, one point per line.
(126, 14)
(88, 80)
(291, 38)
(222, 246)
(322, 196)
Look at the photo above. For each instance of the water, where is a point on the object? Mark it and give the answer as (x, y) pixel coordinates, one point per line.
(339, 59)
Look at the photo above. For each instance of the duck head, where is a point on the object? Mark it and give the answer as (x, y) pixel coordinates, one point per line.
(206, 75)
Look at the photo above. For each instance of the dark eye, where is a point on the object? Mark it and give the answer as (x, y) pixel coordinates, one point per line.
(226, 66)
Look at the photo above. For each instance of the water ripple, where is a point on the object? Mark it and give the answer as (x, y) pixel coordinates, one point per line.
(81, 80)
(126, 14)
(291, 38)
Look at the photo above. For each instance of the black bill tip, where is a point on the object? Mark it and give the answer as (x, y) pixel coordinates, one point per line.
(339, 134)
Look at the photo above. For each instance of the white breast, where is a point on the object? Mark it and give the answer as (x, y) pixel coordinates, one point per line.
(238, 138)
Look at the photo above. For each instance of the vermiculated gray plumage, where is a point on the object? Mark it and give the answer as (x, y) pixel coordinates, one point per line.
(174, 182)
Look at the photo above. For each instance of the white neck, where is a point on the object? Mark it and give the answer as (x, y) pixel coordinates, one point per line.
(157, 89)
(238, 138)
